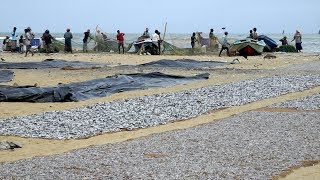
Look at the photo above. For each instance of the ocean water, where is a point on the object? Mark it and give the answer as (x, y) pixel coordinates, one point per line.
(310, 42)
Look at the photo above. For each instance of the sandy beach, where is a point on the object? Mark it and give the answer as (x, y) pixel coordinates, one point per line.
(256, 67)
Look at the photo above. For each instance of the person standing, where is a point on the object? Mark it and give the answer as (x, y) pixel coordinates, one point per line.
(14, 40)
(28, 36)
(255, 34)
(5, 43)
(159, 42)
(42, 39)
(98, 46)
(213, 41)
(48, 41)
(21, 44)
(193, 40)
(67, 41)
(156, 38)
(225, 44)
(120, 38)
(298, 39)
(199, 38)
(86, 37)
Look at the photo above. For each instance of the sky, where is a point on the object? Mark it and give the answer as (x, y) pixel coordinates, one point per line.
(182, 16)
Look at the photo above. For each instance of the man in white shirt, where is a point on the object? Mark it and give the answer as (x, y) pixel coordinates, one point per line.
(225, 44)
(28, 36)
(156, 38)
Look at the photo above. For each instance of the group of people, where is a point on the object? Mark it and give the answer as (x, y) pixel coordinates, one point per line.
(24, 44)
(252, 34)
(47, 39)
(297, 38)
(120, 39)
(26, 39)
(213, 41)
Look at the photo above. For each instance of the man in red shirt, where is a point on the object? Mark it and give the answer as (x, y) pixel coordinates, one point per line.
(120, 39)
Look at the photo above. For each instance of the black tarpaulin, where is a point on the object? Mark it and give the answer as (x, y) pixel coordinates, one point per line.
(183, 63)
(48, 63)
(94, 88)
(6, 76)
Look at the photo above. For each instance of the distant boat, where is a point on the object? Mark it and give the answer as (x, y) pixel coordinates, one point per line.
(248, 47)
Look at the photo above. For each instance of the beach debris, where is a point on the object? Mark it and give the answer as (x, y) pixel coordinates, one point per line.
(234, 61)
(269, 56)
(25, 86)
(6, 145)
(79, 68)
(245, 56)
(183, 63)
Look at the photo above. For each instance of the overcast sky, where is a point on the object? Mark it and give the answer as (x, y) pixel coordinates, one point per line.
(182, 16)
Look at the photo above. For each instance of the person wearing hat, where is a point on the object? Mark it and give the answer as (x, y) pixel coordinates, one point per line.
(298, 39)
(67, 41)
(86, 40)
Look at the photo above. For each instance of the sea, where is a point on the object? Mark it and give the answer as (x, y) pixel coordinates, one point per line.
(310, 42)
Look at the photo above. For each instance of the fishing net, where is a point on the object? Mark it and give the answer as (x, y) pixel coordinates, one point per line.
(104, 43)
(171, 49)
(56, 46)
(178, 45)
